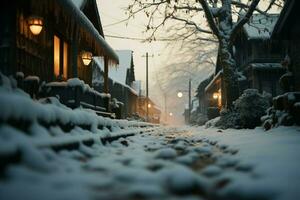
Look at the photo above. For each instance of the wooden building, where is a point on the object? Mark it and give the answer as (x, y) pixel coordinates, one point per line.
(53, 42)
(154, 112)
(258, 58)
(121, 81)
(50, 39)
(287, 31)
(204, 98)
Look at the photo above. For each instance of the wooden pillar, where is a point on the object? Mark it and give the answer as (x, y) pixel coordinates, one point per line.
(74, 59)
(106, 89)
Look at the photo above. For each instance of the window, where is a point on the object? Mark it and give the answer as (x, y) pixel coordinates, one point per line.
(61, 54)
(56, 56)
(65, 65)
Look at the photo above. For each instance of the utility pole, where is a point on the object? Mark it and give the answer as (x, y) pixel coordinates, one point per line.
(165, 96)
(147, 89)
(190, 100)
(147, 85)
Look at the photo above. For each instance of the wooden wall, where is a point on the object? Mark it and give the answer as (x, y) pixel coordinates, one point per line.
(20, 50)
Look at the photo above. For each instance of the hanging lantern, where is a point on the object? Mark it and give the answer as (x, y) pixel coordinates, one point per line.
(86, 57)
(149, 105)
(216, 95)
(35, 24)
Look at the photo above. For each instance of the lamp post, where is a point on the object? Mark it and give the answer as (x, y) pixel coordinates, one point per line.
(180, 95)
(147, 85)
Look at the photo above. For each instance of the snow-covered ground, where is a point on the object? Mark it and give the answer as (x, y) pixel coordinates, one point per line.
(169, 163)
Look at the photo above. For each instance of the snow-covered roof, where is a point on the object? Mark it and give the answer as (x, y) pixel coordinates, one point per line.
(137, 86)
(260, 26)
(265, 66)
(119, 73)
(216, 77)
(79, 3)
(80, 17)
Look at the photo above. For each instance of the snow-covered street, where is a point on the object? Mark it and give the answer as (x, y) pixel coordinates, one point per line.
(168, 163)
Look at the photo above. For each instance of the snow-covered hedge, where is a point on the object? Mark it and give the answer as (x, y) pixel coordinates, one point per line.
(285, 111)
(247, 110)
(19, 110)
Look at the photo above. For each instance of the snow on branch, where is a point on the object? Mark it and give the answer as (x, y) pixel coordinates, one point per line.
(210, 17)
(244, 19)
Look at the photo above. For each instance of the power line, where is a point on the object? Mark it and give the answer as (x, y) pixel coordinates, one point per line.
(119, 22)
(139, 39)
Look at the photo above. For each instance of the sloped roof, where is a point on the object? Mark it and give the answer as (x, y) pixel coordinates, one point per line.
(287, 18)
(79, 16)
(202, 86)
(137, 86)
(118, 74)
(79, 3)
(260, 26)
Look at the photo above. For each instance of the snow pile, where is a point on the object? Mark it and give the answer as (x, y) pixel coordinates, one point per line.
(285, 111)
(260, 26)
(266, 163)
(47, 118)
(170, 163)
(76, 82)
(247, 111)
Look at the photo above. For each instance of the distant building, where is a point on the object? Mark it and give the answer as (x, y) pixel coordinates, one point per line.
(257, 57)
(122, 82)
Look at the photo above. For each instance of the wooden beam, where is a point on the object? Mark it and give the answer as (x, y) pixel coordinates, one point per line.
(74, 59)
(106, 89)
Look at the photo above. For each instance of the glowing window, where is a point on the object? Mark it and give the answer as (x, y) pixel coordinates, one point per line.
(65, 65)
(56, 56)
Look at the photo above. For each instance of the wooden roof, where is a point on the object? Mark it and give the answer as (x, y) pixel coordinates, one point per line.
(83, 20)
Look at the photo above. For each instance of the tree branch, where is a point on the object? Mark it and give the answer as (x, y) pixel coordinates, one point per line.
(243, 20)
(210, 18)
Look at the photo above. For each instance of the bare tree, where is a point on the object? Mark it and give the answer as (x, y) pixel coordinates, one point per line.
(204, 20)
(195, 61)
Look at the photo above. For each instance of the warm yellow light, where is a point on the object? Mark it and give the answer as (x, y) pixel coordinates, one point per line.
(86, 57)
(149, 105)
(171, 114)
(35, 25)
(215, 95)
(179, 94)
(56, 41)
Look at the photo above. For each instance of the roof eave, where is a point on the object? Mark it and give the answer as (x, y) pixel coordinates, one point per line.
(84, 21)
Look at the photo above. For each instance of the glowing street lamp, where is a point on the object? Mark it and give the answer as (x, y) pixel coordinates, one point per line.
(171, 114)
(179, 94)
(35, 24)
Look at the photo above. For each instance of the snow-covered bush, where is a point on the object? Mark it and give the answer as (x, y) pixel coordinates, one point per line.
(228, 119)
(198, 118)
(247, 110)
(285, 111)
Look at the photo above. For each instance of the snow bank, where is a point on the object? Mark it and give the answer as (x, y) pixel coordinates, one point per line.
(76, 82)
(246, 113)
(268, 162)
